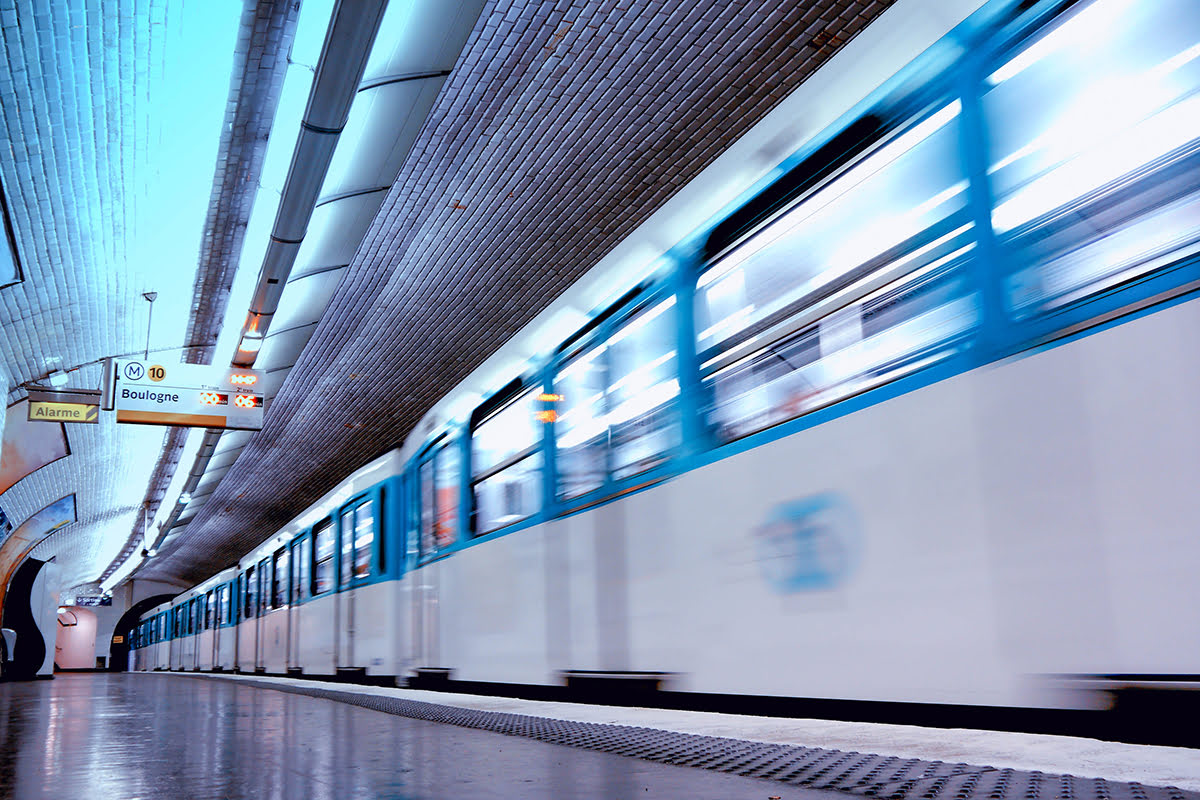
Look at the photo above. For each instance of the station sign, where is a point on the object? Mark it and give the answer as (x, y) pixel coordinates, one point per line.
(72, 406)
(195, 395)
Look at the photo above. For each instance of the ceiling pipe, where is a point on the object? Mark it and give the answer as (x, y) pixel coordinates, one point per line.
(343, 61)
(344, 56)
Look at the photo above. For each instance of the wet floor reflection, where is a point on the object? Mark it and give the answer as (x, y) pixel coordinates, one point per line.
(168, 736)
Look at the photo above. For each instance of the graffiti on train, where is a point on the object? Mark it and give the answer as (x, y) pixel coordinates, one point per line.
(808, 544)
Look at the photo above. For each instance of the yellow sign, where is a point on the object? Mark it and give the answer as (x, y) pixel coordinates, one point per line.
(156, 373)
(43, 411)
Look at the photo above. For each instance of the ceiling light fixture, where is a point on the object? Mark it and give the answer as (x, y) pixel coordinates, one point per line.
(150, 298)
(250, 343)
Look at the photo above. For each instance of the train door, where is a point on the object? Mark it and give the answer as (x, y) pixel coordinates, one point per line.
(235, 616)
(438, 493)
(344, 602)
(264, 603)
(218, 618)
(210, 656)
(245, 628)
(194, 639)
(301, 559)
(176, 617)
(210, 624)
(357, 525)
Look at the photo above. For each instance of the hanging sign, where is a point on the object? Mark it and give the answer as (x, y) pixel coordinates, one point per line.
(195, 395)
(69, 406)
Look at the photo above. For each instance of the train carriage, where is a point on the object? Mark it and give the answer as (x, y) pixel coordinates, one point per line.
(909, 421)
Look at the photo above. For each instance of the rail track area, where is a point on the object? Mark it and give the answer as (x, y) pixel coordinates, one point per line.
(148, 736)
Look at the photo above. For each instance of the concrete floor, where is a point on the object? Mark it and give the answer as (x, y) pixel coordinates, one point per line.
(125, 736)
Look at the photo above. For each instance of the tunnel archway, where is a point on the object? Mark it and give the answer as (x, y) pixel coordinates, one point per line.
(118, 660)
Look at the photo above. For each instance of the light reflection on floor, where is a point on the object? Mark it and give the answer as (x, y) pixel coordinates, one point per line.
(121, 737)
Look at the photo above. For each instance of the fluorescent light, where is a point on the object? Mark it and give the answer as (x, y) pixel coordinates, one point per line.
(1092, 28)
(59, 379)
(250, 344)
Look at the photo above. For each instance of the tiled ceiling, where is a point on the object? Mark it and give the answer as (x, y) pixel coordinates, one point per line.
(110, 130)
(562, 127)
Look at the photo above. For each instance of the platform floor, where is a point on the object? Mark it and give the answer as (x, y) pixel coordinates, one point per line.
(1152, 765)
(126, 736)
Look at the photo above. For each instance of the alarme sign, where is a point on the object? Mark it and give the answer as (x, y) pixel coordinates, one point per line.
(194, 395)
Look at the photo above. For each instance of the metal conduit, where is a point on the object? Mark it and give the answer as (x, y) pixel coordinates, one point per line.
(339, 72)
(344, 55)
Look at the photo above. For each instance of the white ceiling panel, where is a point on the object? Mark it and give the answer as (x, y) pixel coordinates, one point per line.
(335, 231)
(384, 123)
(224, 459)
(304, 299)
(282, 349)
(420, 37)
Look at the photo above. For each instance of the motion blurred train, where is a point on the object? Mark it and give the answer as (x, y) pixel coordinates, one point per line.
(912, 421)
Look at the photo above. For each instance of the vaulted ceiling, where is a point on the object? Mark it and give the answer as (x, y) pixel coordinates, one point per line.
(543, 136)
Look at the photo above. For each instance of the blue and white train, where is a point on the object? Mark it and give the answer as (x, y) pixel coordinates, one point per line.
(914, 420)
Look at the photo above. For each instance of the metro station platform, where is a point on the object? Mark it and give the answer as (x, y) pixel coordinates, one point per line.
(181, 736)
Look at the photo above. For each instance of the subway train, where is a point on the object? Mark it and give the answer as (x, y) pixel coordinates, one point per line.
(913, 421)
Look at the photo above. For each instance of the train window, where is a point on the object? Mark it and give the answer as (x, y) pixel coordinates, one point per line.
(250, 580)
(642, 388)
(364, 537)
(580, 433)
(1094, 150)
(346, 530)
(264, 585)
(281, 578)
(219, 603)
(509, 496)
(323, 571)
(301, 558)
(506, 464)
(873, 210)
(615, 410)
(857, 284)
(439, 499)
(506, 435)
(210, 612)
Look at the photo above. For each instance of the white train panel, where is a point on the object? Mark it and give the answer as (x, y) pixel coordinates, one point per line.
(272, 640)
